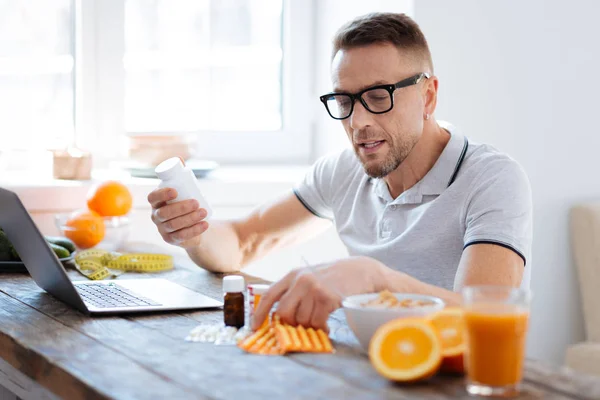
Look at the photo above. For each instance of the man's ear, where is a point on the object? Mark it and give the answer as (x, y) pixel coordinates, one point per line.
(430, 89)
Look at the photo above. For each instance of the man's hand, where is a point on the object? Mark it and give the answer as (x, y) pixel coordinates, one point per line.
(308, 295)
(181, 223)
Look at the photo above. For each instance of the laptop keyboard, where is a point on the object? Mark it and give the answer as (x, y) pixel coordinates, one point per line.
(111, 295)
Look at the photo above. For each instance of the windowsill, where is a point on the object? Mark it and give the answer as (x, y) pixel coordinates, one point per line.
(230, 186)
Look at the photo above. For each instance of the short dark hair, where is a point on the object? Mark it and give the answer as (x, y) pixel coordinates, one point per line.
(397, 29)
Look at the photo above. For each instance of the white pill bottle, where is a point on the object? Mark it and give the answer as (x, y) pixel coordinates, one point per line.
(174, 174)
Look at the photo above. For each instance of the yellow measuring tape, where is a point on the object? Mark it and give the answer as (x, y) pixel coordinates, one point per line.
(98, 264)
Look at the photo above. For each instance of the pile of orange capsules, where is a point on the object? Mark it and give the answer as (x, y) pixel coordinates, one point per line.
(278, 339)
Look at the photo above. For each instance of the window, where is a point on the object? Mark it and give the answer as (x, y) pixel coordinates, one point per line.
(203, 65)
(232, 74)
(36, 74)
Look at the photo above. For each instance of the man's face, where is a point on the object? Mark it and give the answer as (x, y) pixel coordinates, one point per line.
(381, 141)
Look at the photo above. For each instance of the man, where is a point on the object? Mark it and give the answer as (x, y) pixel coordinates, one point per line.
(420, 208)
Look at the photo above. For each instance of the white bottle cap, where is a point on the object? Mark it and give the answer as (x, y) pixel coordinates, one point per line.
(233, 284)
(257, 288)
(169, 168)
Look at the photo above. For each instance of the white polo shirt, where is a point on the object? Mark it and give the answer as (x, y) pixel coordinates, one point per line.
(473, 194)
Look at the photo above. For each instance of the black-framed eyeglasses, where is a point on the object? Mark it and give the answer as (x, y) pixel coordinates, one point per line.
(376, 99)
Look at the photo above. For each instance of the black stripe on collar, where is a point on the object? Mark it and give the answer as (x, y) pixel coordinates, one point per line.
(459, 162)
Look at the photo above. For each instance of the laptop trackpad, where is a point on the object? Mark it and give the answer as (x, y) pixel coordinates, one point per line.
(168, 293)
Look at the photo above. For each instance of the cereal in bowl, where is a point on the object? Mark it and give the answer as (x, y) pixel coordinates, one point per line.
(387, 299)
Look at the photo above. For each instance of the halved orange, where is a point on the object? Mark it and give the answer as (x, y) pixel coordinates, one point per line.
(449, 324)
(406, 350)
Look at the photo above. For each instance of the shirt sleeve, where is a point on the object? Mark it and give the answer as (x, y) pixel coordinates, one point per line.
(315, 191)
(499, 210)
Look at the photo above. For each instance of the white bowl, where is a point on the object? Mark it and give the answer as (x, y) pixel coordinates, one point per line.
(364, 321)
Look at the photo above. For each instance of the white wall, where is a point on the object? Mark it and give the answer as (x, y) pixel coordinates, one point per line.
(522, 75)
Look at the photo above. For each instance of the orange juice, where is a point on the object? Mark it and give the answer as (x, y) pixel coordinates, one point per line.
(495, 350)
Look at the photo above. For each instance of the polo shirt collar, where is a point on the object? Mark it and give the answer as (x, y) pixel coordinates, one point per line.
(438, 178)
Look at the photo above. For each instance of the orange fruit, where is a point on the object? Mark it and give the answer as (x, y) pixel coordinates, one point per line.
(85, 229)
(449, 324)
(406, 350)
(110, 199)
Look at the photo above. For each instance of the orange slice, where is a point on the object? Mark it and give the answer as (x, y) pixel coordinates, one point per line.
(449, 324)
(406, 350)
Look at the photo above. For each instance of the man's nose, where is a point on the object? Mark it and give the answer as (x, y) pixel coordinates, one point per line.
(361, 117)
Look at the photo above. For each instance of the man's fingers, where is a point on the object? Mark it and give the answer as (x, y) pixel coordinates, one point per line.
(159, 197)
(299, 292)
(303, 300)
(305, 311)
(184, 221)
(287, 307)
(269, 298)
(175, 210)
(320, 316)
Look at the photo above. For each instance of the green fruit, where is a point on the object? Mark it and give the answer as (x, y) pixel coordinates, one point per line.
(13, 254)
(5, 247)
(60, 251)
(63, 242)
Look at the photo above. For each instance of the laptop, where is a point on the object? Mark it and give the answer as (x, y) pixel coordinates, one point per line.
(91, 297)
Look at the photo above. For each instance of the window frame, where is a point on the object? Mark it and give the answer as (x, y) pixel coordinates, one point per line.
(100, 92)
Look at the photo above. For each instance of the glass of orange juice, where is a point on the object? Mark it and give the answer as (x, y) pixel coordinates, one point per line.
(496, 320)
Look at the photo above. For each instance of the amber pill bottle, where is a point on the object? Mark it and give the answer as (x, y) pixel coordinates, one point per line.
(233, 309)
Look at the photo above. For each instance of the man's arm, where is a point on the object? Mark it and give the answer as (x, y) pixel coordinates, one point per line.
(307, 296)
(227, 246)
(480, 264)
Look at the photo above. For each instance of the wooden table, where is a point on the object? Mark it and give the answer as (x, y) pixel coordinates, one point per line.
(52, 351)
